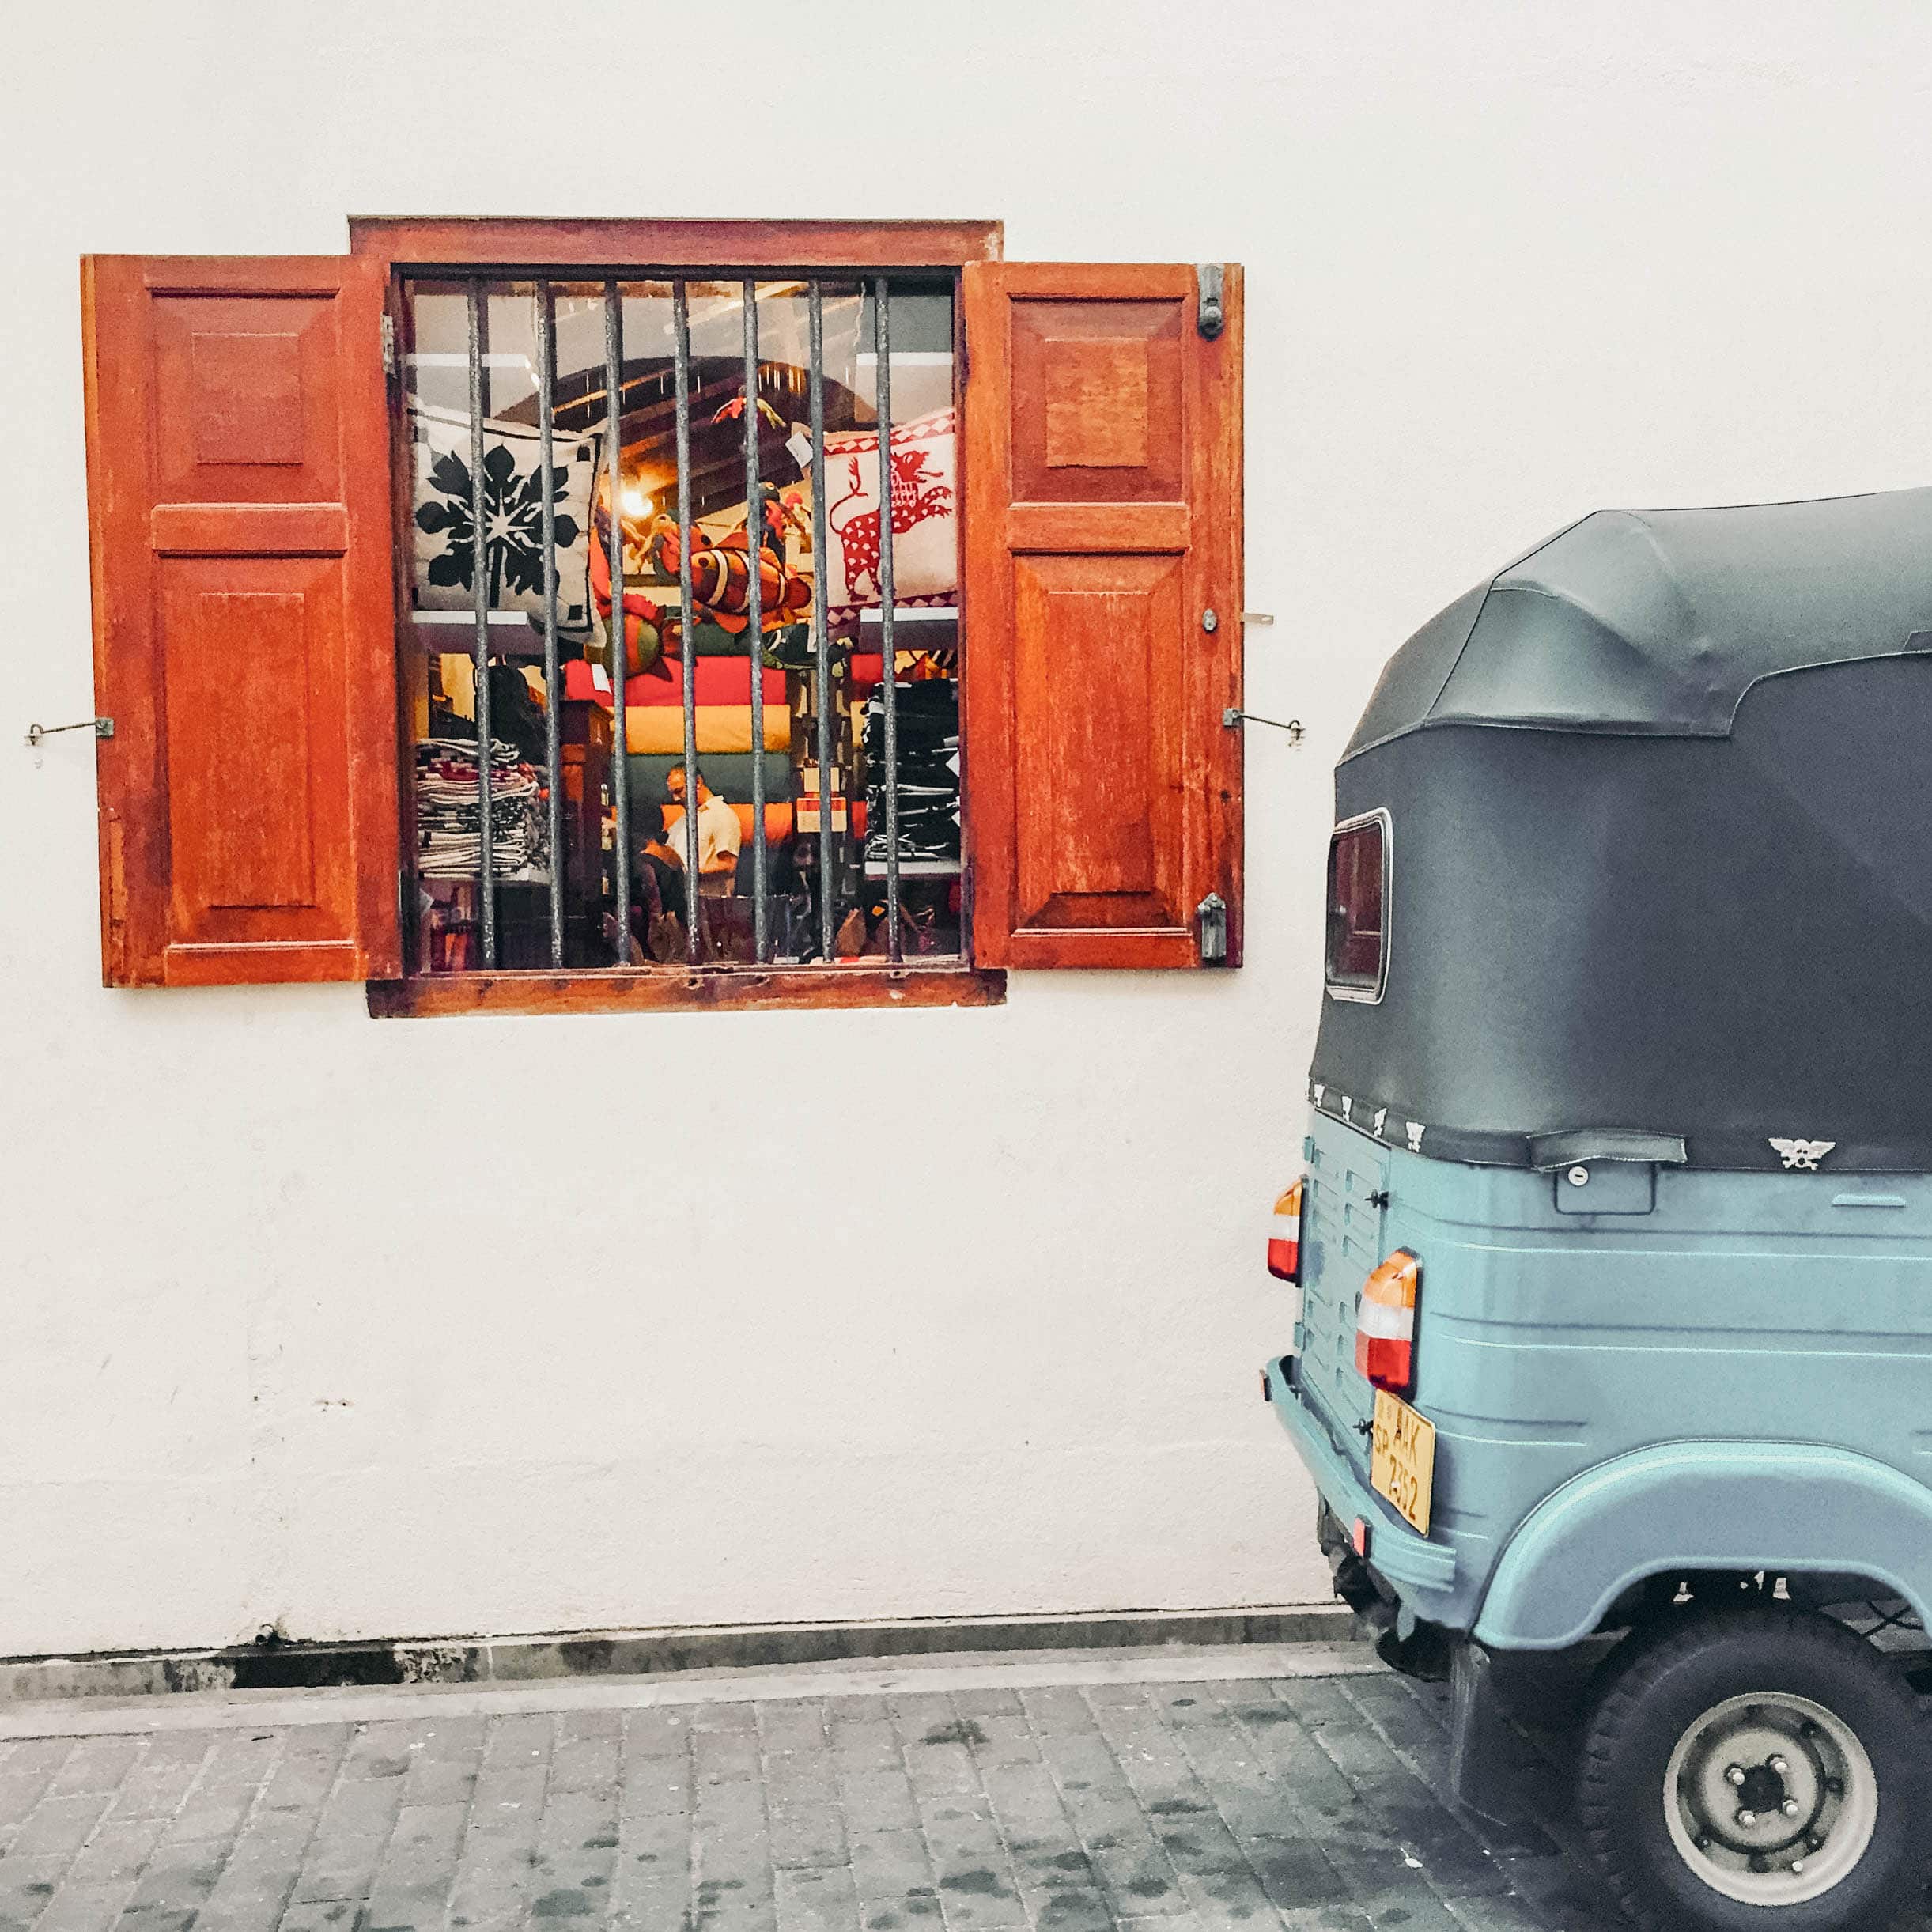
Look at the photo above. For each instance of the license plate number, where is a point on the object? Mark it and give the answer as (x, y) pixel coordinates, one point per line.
(1402, 1459)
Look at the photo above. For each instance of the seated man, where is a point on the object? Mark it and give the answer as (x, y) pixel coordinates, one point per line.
(657, 897)
(659, 858)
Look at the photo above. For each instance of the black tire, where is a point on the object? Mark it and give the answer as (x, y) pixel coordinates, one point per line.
(1665, 1683)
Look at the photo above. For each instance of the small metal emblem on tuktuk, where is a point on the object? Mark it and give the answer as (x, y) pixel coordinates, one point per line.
(1804, 1156)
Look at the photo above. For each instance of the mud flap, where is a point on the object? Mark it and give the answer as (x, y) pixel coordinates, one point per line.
(1482, 1752)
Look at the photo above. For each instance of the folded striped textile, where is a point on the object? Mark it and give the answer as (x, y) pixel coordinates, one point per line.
(449, 817)
(721, 727)
(728, 773)
(720, 680)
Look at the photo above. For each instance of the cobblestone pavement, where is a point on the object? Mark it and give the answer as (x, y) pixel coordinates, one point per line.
(1307, 1803)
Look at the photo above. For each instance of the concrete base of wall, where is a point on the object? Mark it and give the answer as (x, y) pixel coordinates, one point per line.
(642, 1653)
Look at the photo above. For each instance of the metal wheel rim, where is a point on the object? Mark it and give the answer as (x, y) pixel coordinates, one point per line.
(1745, 1840)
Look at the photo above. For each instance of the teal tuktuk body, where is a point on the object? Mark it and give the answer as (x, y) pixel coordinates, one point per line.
(1610, 1254)
(1631, 1371)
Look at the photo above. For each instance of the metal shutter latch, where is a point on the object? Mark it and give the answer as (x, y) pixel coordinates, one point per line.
(1211, 918)
(1209, 314)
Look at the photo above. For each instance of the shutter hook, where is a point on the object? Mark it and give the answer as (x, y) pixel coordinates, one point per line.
(1234, 716)
(101, 727)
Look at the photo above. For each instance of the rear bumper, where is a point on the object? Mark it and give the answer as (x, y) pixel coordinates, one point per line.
(1421, 1573)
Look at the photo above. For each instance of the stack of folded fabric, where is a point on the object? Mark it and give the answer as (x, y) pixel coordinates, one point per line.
(929, 734)
(449, 819)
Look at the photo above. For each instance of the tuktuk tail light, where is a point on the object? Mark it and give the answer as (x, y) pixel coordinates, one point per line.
(1384, 1328)
(1284, 1236)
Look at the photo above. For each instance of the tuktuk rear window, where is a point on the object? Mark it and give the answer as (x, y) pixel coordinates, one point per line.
(1358, 939)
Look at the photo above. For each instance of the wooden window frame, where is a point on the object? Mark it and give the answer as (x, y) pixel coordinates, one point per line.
(402, 246)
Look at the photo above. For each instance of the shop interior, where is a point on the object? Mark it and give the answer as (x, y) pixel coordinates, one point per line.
(668, 922)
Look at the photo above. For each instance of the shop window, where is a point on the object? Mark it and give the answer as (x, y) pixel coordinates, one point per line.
(829, 824)
(533, 637)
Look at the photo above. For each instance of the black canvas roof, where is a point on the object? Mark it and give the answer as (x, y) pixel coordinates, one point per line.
(1656, 623)
(1659, 884)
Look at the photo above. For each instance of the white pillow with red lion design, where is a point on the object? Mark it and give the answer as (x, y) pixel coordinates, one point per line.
(926, 518)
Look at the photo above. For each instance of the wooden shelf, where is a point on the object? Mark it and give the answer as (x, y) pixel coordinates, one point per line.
(917, 868)
(511, 634)
(915, 627)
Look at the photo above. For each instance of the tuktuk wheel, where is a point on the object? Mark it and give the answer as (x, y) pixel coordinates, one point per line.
(1757, 1768)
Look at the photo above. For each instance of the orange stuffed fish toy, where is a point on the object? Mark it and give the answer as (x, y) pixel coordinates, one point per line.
(721, 581)
(720, 586)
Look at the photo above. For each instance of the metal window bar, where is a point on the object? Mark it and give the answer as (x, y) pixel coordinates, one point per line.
(479, 596)
(681, 359)
(553, 670)
(620, 737)
(754, 627)
(881, 332)
(545, 374)
(821, 539)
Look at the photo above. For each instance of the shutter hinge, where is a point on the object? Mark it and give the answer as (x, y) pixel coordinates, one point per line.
(1210, 316)
(389, 344)
(1211, 919)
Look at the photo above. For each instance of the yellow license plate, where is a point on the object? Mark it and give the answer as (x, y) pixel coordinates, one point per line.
(1401, 1464)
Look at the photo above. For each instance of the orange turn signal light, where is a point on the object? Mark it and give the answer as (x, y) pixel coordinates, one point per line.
(1284, 1236)
(1385, 1335)
(1394, 1283)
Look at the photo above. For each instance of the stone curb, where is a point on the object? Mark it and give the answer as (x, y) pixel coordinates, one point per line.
(643, 1653)
(933, 1673)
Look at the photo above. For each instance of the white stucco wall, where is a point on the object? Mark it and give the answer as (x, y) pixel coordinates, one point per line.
(282, 1343)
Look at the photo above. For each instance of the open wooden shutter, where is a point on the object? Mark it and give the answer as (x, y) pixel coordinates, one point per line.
(1103, 527)
(238, 474)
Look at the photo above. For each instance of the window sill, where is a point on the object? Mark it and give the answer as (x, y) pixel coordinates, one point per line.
(671, 989)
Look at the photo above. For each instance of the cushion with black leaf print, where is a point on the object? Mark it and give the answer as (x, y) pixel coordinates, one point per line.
(513, 516)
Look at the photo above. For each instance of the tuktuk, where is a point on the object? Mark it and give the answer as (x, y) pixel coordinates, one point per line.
(1611, 1252)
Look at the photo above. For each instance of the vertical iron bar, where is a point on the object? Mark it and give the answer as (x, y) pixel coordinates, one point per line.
(754, 629)
(814, 311)
(553, 671)
(479, 595)
(620, 733)
(882, 340)
(681, 364)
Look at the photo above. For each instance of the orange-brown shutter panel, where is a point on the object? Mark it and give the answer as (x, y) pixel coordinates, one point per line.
(1103, 606)
(239, 492)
